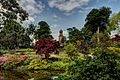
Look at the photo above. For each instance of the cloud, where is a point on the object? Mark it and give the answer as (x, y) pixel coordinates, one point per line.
(107, 0)
(31, 6)
(67, 5)
(56, 18)
(55, 30)
(85, 9)
(68, 13)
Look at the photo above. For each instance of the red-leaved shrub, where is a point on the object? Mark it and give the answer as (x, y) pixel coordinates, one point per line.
(46, 46)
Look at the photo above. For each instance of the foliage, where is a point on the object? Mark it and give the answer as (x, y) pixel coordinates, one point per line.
(71, 51)
(97, 18)
(96, 21)
(83, 47)
(104, 66)
(13, 35)
(114, 49)
(43, 30)
(115, 44)
(13, 10)
(38, 64)
(105, 40)
(46, 46)
(96, 51)
(31, 29)
(74, 34)
(58, 65)
(11, 32)
(114, 22)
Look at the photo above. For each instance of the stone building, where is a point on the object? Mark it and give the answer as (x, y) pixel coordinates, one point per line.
(61, 38)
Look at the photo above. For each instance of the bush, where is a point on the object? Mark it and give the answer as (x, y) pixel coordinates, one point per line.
(58, 65)
(12, 61)
(95, 51)
(71, 51)
(38, 64)
(104, 66)
(46, 46)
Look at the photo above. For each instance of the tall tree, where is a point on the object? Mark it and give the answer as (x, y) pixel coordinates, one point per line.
(10, 9)
(74, 34)
(13, 35)
(96, 20)
(31, 29)
(11, 32)
(43, 30)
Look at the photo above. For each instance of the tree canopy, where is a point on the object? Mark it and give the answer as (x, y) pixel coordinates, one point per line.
(13, 35)
(11, 10)
(43, 30)
(97, 21)
(97, 18)
(74, 34)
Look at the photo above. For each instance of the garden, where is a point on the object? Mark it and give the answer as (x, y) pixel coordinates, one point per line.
(90, 53)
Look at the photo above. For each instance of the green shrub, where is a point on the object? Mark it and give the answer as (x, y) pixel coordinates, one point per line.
(104, 66)
(95, 51)
(38, 64)
(58, 65)
(71, 51)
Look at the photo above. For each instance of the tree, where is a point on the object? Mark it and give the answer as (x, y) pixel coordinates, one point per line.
(97, 20)
(11, 10)
(31, 29)
(74, 34)
(43, 30)
(13, 35)
(46, 46)
(45, 43)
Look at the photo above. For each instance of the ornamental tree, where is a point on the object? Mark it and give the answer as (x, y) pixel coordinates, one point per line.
(46, 46)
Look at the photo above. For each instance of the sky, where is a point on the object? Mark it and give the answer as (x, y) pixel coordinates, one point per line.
(63, 14)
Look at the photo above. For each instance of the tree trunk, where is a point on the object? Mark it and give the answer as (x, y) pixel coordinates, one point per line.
(98, 31)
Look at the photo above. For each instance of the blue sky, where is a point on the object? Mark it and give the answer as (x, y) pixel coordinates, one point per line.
(63, 14)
